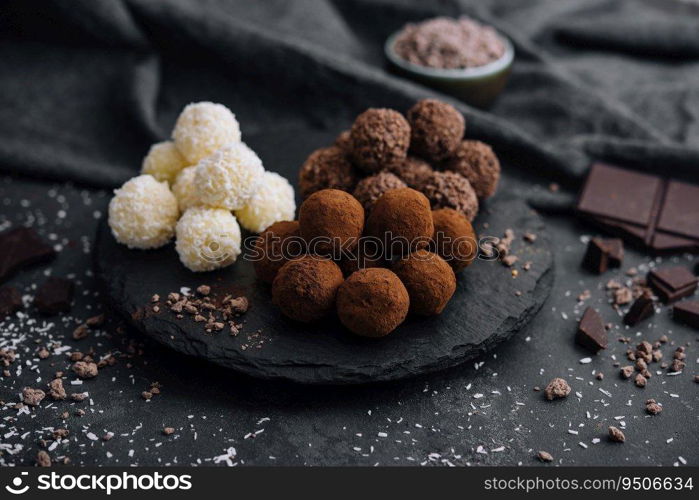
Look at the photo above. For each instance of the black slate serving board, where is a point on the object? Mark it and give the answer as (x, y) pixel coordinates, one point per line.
(488, 307)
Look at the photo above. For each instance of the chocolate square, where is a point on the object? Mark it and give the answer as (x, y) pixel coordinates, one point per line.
(687, 312)
(672, 283)
(680, 213)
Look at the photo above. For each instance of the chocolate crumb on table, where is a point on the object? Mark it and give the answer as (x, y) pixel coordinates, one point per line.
(544, 456)
(168, 430)
(43, 459)
(32, 397)
(653, 407)
(556, 389)
(616, 435)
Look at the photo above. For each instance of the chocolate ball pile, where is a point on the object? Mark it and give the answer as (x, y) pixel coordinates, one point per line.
(371, 273)
(424, 150)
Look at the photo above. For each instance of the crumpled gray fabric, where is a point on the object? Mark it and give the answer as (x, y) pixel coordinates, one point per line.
(86, 86)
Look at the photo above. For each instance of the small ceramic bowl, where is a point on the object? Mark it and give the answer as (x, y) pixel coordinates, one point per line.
(478, 86)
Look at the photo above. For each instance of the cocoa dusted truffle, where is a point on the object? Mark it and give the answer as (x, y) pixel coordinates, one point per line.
(371, 188)
(331, 220)
(454, 238)
(372, 302)
(413, 171)
(305, 288)
(402, 219)
(343, 141)
(436, 129)
(430, 281)
(368, 253)
(326, 168)
(279, 243)
(477, 162)
(452, 190)
(380, 137)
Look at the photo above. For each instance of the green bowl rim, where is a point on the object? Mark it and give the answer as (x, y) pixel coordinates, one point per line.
(452, 74)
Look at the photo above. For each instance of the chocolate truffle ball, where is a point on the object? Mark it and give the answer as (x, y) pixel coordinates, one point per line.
(454, 238)
(430, 281)
(368, 253)
(279, 243)
(305, 288)
(372, 302)
(436, 129)
(326, 168)
(331, 220)
(371, 188)
(402, 220)
(380, 138)
(477, 162)
(413, 171)
(343, 141)
(452, 190)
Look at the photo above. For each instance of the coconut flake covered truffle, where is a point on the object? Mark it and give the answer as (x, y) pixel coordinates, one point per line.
(451, 190)
(184, 189)
(163, 162)
(273, 202)
(436, 129)
(477, 162)
(229, 177)
(371, 188)
(379, 137)
(143, 213)
(207, 238)
(326, 168)
(202, 128)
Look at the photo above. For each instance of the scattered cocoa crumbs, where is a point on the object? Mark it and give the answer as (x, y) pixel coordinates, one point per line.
(95, 321)
(80, 332)
(147, 395)
(529, 237)
(56, 390)
(168, 430)
(32, 397)
(43, 353)
(556, 389)
(676, 366)
(60, 433)
(626, 371)
(622, 296)
(544, 456)
(537, 388)
(616, 435)
(64, 415)
(600, 376)
(43, 459)
(204, 290)
(85, 369)
(155, 298)
(640, 380)
(108, 436)
(663, 339)
(653, 407)
(80, 413)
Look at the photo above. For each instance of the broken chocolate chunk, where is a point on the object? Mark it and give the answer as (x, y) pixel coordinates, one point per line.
(672, 283)
(22, 247)
(602, 254)
(54, 296)
(32, 397)
(642, 308)
(653, 407)
(10, 301)
(591, 332)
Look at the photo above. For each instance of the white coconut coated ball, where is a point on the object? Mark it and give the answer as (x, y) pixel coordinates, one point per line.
(202, 128)
(207, 239)
(143, 213)
(163, 162)
(229, 177)
(273, 202)
(184, 189)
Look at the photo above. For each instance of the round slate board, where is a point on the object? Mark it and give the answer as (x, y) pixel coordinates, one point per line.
(486, 309)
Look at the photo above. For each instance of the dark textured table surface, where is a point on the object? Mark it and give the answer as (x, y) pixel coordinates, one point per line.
(484, 412)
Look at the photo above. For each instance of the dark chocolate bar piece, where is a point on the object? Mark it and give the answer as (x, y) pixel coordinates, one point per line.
(672, 283)
(591, 332)
(602, 254)
(615, 246)
(680, 212)
(642, 308)
(54, 296)
(687, 312)
(10, 301)
(20, 248)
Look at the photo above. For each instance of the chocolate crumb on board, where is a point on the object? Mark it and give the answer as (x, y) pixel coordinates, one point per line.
(640, 380)
(32, 397)
(626, 371)
(85, 369)
(204, 290)
(599, 376)
(43, 459)
(43, 353)
(56, 390)
(168, 430)
(95, 321)
(653, 407)
(60, 433)
(544, 456)
(80, 332)
(616, 435)
(556, 389)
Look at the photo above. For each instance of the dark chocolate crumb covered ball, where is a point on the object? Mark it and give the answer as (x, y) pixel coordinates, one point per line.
(477, 162)
(275, 246)
(380, 137)
(452, 190)
(331, 220)
(413, 171)
(430, 281)
(343, 141)
(372, 302)
(371, 188)
(454, 238)
(402, 219)
(436, 129)
(326, 168)
(305, 288)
